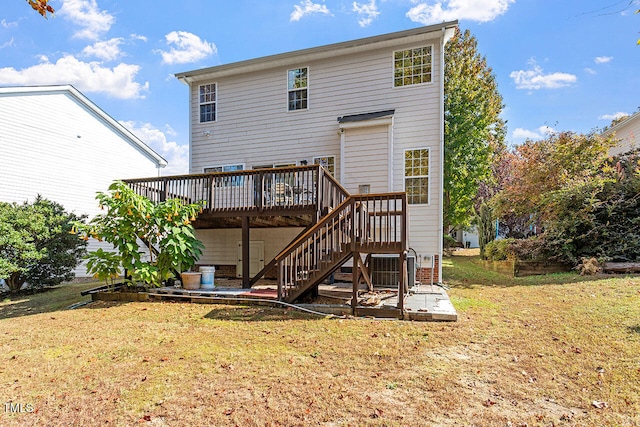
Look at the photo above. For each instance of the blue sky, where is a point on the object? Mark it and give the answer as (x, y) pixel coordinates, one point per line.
(560, 65)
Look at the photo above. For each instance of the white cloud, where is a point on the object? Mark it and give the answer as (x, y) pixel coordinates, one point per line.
(614, 116)
(590, 71)
(139, 37)
(177, 155)
(118, 82)
(186, 47)
(367, 12)
(307, 7)
(602, 59)
(108, 50)
(539, 133)
(92, 21)
(472, 10)
(5, 24)
(535, 78)
(7, 43)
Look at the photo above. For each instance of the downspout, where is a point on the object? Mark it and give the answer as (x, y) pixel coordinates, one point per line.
(447, 33)
(341, 132)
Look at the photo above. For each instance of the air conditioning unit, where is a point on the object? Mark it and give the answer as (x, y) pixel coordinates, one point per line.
(385, 271)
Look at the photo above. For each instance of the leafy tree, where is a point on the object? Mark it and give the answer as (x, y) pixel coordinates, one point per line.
(486, 229)
(539, 168)
(599, 217)
(164, 228)
(35, 244)
(473, 129)
(42, 7)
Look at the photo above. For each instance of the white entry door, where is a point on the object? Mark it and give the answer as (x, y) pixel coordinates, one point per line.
(256, 258)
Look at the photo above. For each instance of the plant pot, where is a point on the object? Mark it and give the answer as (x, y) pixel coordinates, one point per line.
(191, 280)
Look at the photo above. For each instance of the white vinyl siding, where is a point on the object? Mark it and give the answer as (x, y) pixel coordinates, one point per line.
(221, 244)
(366, 159)
(627, 133)
(256, 128)
(65, 155)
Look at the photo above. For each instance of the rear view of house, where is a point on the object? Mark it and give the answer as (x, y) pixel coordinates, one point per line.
(370, 111)
(57, 143)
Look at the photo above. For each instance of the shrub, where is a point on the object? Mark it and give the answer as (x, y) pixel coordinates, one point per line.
(531, 249)
(35, 245)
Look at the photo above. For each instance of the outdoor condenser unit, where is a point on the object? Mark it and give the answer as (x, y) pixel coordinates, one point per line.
(385, 270)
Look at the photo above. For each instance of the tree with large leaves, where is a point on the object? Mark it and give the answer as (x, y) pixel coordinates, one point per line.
(473, 132)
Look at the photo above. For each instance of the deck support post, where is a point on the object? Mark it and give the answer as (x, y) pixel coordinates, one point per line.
(246, 281)
(356, 281)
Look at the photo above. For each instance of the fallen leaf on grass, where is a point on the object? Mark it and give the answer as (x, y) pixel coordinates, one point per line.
(488, 403)
(599, 405)
(377, 413)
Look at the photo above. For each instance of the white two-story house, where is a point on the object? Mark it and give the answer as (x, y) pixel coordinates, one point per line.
(311, 159)
(57, 143)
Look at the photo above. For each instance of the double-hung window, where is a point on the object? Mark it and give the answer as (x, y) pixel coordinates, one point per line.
(208, 100)
(412, 66)
(416, 176)
(298, 88)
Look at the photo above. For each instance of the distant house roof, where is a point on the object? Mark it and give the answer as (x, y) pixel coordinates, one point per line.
(101, 114)
(627, 132)
(444, 29)
(365, 116)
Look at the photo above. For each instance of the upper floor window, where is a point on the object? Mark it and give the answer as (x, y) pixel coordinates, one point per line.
(416, 176)
(207, 100)
(298, 88)
(412, 66)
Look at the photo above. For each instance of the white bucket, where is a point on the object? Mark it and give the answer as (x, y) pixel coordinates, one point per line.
(208, 273)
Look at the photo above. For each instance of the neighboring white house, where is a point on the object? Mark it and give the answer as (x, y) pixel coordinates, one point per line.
(369, 110)
(627, 132)
(57, 143)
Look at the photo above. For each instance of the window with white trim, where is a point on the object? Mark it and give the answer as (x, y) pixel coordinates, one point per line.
(327, 162)
(412, 66)
(208, 99)
(416, 176)
(298, 88)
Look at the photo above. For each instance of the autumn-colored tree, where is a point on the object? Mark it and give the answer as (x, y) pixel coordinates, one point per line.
(42, 7)
(541, 168)
(474, 131)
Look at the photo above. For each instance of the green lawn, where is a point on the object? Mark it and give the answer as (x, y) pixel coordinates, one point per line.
(551, 350)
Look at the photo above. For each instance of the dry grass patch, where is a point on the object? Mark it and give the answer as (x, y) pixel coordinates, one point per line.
(530, 354)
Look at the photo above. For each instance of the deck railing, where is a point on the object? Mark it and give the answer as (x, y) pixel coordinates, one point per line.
(257, 190)
(373, 223)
